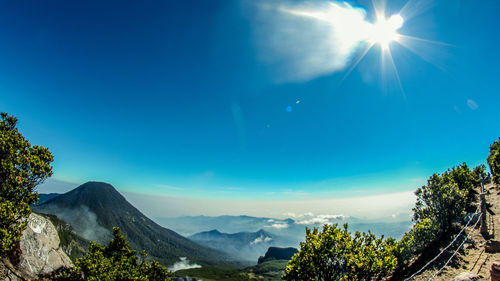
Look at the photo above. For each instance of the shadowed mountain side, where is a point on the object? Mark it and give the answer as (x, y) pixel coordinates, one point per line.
(274, 253)
(95, 207)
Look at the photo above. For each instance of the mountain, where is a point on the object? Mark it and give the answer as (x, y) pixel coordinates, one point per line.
(243, 245)
(94, 208)
(44, 197)
(275, 253)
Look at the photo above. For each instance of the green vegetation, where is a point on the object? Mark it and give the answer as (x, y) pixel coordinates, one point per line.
(215, 273)
(22, 167)
(266, 271)
(494, 161)
(114, 262)
(334, 254)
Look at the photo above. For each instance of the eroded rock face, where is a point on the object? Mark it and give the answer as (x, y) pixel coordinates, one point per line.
(41, 253)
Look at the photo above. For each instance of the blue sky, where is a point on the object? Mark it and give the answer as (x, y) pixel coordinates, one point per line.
(198, 99)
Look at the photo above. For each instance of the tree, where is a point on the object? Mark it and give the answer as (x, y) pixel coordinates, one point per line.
(334, 254)
(466, 181)
(494, 161)
(441, 200)
(22, 167)
(114, 262)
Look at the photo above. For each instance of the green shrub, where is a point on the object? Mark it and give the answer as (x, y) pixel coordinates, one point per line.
(114, 262)
(494, 161)
(334, 254)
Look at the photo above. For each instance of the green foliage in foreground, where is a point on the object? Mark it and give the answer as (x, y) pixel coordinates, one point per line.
(441, 203)
(114, 262)
(447, 197)
(335, 254)
(22, 167)
(494, 161)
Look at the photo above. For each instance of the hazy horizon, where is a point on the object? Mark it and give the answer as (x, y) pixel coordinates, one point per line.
(379, 206)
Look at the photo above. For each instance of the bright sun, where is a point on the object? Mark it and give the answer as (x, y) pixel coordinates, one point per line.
(384, 31)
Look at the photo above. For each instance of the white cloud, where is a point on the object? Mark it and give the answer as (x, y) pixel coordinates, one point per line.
(183, 264)
(296, 216)
(261, 239)
(472, 104)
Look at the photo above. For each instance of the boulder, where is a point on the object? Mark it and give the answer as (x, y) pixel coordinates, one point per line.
(495, 271)
(466, 276)
(40, 249)
(492, 246)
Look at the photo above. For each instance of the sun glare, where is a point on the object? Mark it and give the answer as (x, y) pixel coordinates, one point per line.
(384, 31)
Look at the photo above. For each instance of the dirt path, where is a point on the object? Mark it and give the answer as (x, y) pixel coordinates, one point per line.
(473, 257)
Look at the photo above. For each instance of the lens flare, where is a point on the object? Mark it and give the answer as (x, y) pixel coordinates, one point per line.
(384, 31)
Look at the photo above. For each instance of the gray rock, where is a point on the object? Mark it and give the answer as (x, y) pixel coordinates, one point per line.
(466, 276)
(492, 246)
(41, 253)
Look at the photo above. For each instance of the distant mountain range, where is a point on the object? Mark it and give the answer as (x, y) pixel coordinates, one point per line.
(94, 208)
(290, 231)
(248, 246)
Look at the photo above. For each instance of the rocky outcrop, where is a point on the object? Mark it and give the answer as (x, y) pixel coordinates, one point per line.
(40, 249)
(40, 252)
(467, 276)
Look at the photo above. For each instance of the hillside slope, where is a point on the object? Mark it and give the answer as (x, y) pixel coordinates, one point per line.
(472, 257)
(94, 208)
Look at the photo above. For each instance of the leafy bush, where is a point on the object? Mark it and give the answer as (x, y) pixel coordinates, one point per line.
(114, 262)
(22, 167)
(417, 240)
(334, 254)
(441, 200)
(494, 161)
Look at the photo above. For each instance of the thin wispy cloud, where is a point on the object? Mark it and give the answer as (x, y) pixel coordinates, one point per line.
(472, 104)
(184, 263)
